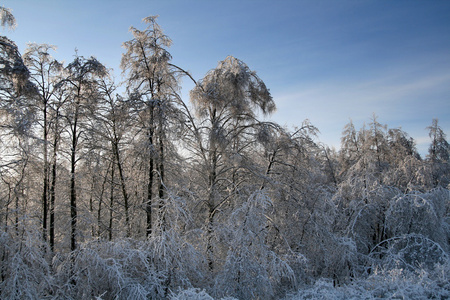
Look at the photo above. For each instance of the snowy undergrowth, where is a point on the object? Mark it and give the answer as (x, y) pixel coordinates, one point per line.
(24, 269)
(391, 284)
(105, 270)
(194, 294)
(251, 269)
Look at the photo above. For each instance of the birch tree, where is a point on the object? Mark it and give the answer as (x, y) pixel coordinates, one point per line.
(404, 161)
(17, 96)
(7, 19)
(251, 269)
(116, 128)
(81, 96)
(150, 82)
(227, 101)
(45, 74)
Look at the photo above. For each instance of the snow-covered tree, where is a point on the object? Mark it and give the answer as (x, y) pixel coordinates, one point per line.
(7, 19)
(404, 161)
(25, 271)
(227, 101)
(438, 155)
(252, 270)
(420, 213)
(45, 73)
(17, 118)
(81, 96)
(151, 83)
(114, 126)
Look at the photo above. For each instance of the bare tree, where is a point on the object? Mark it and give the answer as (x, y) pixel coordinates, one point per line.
(114, 116)
(45, 74)
(151, 82)
(80, 88)
(227, 101)
(17, 118)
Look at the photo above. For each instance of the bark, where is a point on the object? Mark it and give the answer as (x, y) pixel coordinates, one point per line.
(100, 201)
(122, 182)
(73, 195)
(269, 168)
(52, 207)
(148, 204)
(91, 204)
(53, 186)
(211, 197)
(111, 204)
(161, 174)
(46, 179)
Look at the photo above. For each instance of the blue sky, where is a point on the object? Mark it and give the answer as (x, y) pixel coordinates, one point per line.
(326, 61)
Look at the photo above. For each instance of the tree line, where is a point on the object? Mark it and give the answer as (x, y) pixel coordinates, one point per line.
(140, 193)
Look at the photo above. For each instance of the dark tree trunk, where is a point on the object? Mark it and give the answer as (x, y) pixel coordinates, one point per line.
(73, 198)
(53, 186)
(211, 208)
(100, 201)
(148, 204)
(46, 179)
(91, 204)
(52, 206)
(111, 203)
(122, 184)
(161, 177)
(73, 195)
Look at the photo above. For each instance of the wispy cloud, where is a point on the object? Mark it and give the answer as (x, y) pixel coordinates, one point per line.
(395, 97)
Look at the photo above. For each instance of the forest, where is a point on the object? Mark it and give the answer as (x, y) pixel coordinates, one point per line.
(127, 191)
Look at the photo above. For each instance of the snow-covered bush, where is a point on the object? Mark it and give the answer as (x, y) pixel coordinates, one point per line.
(131, 269)
(324, 289)
(404, 284)
(426, 214)
(25, 272)
(391, 284)
(168, 250)
(191, 294)
(194, 294)
(251, 270)
(174, 259)
(411, 251)
(109, 270)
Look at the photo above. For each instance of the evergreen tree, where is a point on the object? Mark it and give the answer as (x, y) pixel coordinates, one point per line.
(438, 155)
